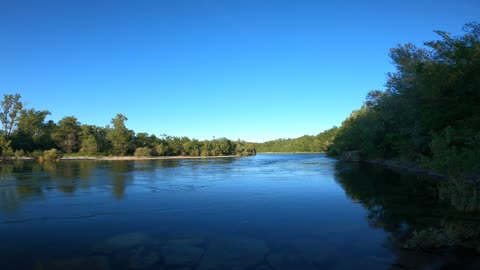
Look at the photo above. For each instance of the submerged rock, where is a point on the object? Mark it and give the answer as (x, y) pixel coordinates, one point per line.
(234, 253)
(143, 257)
(128, 240)
(123, 241)
(288, 261)
(78, 263)
(262, 267)
(183, 252)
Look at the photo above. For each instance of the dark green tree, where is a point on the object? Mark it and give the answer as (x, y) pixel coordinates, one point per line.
(33, 132)
(9, 112)
(66, 136)
(119, 136)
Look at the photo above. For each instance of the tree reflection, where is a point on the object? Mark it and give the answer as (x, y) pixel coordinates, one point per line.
(15, 184)
(121, 175)
(401, 204)
(21, 180)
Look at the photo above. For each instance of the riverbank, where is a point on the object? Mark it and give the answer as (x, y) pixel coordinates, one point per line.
(144, 158)
(405, 166)
(285, 153)
(112, 158)
(408, 166)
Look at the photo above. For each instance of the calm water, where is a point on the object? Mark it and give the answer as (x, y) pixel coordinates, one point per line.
(263, 212)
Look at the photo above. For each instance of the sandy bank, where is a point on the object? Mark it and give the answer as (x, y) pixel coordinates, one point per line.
(145, 158)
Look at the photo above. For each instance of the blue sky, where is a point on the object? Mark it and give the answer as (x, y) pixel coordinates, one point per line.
(254, 70)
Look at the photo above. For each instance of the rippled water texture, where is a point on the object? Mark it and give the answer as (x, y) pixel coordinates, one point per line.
(262, 212)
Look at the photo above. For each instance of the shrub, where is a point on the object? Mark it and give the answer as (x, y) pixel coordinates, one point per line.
(448, 234)
(36, 154)
(19, 154)
(143, 152)
(50, 155)
(460, 195)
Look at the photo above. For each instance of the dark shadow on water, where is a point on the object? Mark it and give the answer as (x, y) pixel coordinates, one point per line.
(403, 203)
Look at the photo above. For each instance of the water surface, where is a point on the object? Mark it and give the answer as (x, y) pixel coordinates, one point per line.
(262, 212)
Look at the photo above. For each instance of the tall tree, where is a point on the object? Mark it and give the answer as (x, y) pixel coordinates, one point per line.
(88, 144)
(119, 135)
(5, 149)
(32, 132)
(10, 110)
(66, 136)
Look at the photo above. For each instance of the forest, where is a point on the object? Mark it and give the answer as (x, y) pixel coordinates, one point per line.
(25, 132)
(428, 113)
(305, 144)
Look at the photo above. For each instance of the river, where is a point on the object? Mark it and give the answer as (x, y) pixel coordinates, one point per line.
(292, 211)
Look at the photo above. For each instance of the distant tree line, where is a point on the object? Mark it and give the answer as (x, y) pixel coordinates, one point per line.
(26, 132)
(305, 144)
(429, 112)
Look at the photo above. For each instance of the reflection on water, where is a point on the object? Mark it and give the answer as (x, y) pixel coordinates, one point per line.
(403, 204)
(262, 212)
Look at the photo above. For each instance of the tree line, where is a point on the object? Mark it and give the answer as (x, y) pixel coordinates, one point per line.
(26, 132)
(428, 113)
(305, 144)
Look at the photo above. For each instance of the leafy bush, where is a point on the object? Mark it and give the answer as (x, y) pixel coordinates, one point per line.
(35, 154)
(448, 234)
(19, 154)
(143, 152)
(427, 238)
(52, 155)
(460, 195)
(5, 148)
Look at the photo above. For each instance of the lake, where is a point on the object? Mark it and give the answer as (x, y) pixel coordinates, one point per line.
(295, 211)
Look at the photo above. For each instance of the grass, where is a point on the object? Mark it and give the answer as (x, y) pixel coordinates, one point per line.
(448, 234)
(461, 195)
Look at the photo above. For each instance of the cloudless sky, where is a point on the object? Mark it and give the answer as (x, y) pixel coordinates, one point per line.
(252, 69)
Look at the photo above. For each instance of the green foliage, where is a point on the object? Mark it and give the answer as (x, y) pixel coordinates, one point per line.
(160, 150)
(453, 155)
(33, 132)
(143, 152)
(10, 108)
(429, 110)
(52, 155)
(304, 144)
(428, 238)
(461, 195)
(192, 147)
(26, 130)
(19, 154)
(244, 149)
(36, 154)
(89, 145)
(448, 234)
(142, 139)
(119, 136)
(66, 136)
(222, 147)
(5, 148)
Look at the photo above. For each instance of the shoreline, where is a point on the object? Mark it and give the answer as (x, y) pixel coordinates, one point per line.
(410, 167)
(413, 168)
(280, 153)
(113, 158)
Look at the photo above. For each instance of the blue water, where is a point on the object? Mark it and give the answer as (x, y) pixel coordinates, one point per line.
(302, 211)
